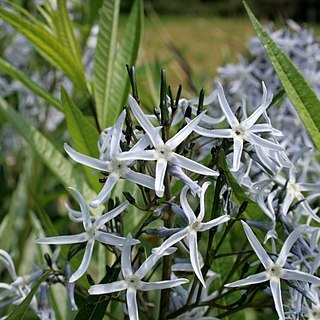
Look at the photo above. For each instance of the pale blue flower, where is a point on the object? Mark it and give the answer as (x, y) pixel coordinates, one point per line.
(93, 231)
(112, 163)
(132, 281)
(275, 270)
(195, 225)
(163, 152)
(246, 130)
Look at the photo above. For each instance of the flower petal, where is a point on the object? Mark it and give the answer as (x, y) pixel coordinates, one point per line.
(84, 263)
(126, 268)
(193, 247)
(116, 135)
(150, 130)
(108, 287)
(101, 165)
(256, 140)
(170, 241)
(111, 214)
(75, 238)
(202, 203)
(110, 238)
(249, 122)
(137, 155)
(105, 191)
(183, 133)
(237, 151)
(256, 246)
(160, 173)
(84, 208)
(292, 238)
(232, 120)
(191, 165)
(185, 205)
(213, 133)
(256, 278)
(140, 178)
(151, 261)
(159, 285)
(213, 223)
(299, 276)
(276, 293)
(132, 304)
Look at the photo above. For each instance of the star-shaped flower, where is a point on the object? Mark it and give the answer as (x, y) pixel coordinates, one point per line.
(163, 152)
(246, 130)
(93, 231)
(132, 281)
(274, 270)
(111, 163)
(195, 225)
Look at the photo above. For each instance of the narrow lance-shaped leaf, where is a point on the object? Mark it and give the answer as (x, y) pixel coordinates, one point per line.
(83, 134)
(49, 46)
(16, 74)
(51, 157)
(65, 30)
(298, 90)
(104, 58)
(126, 54)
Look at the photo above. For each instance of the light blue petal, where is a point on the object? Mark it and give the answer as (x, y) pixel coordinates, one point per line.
(116, 135)
(75, 238)
(140, 179)
(256, 246)
(108, 287)
(232, 120)
(132, 304)
(160, 173)
(111, 214)
(299, 276)
(183, 133)
(101, 165)
(192, 165)
(84, 263)
(105, 191)
(237, 152)
(256, 278)
(126, 268)
(159, 285)
(193, 247)
(185, 205)
(150, 130)
(277, 298)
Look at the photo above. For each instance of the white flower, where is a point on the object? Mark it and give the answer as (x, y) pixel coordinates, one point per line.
(132, 281)
(163, 152)
(274, 270)
(17, 291)
(93, 231)
(246, 130)
(195, 225)
(111, 163)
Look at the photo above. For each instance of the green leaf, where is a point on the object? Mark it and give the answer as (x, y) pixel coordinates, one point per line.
(83, 134)
(253, 210)
(65, 30)
(20, 311)
(104, 58)
(25, 80)
(126, 54)
(49, 155)
(94, 307)
(298, 90)
(48, 45)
